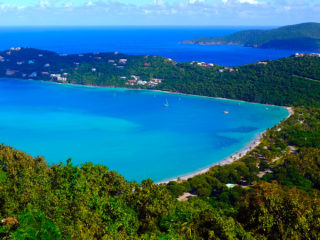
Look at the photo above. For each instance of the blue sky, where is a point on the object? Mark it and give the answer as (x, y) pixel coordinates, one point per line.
(158, 12)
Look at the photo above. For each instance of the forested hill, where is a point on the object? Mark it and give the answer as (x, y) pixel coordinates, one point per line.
(289, 81)
(305, 36)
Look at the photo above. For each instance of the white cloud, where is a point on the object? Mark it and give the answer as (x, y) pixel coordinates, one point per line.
(90, 4)
(196, 1)
(253, 2)
(164, 12)
(44, 4)
(68, 5)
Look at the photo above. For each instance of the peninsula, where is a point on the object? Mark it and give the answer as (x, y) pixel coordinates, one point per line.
(289, 81)
(305, 36)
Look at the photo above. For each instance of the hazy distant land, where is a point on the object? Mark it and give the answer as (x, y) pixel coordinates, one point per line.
(305, 36)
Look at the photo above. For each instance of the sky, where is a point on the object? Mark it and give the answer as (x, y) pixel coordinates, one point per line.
(158, 12)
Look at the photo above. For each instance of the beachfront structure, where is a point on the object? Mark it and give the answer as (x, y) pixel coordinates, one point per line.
(140, 82)
(58, 78)
(154, 82)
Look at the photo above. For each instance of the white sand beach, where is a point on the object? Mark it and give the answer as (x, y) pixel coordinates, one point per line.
(253, 144)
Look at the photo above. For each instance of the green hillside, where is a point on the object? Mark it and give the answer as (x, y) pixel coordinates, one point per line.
(304, 36)
(288, 81)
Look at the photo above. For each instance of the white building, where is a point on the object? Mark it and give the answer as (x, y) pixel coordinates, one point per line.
(123, 61)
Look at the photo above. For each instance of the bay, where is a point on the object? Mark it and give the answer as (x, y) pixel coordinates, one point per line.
(130, 131)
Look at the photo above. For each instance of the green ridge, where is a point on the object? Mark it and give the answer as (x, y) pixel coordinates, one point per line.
(305, 36)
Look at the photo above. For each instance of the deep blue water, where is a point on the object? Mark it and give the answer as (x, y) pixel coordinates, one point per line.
(129, 131)
(162, 41)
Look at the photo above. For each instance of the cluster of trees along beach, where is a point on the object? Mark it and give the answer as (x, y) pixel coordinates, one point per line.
(270, 193)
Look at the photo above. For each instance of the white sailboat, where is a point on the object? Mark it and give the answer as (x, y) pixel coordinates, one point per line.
(166, 104)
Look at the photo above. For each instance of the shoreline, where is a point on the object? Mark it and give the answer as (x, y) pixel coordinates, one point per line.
(148, 90)
(155, 90)
(232, 158)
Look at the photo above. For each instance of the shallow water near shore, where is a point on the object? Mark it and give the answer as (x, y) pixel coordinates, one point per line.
(130, 131)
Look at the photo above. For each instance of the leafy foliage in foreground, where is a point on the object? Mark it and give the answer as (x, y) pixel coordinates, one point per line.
(91, 202)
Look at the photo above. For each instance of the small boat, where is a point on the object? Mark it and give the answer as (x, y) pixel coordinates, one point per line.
(166, 104)
(226, 112)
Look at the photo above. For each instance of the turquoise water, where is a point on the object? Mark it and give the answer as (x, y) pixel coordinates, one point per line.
(130, 131)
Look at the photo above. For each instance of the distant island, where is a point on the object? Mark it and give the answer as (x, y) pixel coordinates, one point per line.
(305, 36)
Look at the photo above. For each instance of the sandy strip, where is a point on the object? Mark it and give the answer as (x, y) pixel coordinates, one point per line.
(253, 144)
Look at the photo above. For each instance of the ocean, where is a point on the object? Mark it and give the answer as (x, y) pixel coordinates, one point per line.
(160, 41)
(130, 131)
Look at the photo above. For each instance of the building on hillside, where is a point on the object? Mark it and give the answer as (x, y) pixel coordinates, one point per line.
(136, 78)
(123, 61)
(140, 82)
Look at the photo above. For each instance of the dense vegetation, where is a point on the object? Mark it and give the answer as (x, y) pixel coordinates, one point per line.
(270, 193)
(304, 36)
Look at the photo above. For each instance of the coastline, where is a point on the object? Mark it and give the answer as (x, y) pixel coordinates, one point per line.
(234, 157)
(149, 90)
